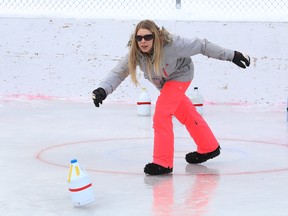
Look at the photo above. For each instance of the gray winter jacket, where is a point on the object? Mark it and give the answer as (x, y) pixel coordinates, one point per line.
(176, 61)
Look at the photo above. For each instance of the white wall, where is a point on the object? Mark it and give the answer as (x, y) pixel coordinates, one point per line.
(67, 58)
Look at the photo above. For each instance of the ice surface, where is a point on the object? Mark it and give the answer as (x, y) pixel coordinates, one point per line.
(39, 138)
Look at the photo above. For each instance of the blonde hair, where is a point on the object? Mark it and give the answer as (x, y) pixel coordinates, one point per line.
(161, 37)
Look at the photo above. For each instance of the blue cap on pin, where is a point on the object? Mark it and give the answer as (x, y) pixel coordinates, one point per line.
(74, 161)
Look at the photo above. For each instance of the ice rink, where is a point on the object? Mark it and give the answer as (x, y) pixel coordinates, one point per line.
(40, 137)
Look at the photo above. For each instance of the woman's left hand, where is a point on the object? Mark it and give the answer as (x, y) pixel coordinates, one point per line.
(239, 59)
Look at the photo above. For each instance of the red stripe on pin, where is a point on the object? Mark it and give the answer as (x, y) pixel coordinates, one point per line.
(198, 104)
(80, 189)
(143, 103)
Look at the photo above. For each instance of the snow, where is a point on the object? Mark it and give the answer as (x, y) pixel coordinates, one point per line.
(68, 58)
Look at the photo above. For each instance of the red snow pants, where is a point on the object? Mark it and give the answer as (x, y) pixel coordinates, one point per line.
(172, 101)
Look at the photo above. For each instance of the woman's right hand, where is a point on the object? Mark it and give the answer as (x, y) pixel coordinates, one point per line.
(98, 95)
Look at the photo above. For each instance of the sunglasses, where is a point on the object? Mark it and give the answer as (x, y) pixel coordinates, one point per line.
(147, 37)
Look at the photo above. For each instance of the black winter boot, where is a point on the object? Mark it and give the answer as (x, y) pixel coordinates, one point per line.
(196, 158)
(155, 169)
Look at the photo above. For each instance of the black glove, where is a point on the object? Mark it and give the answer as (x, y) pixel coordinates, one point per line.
(239, 58)
(98, 95)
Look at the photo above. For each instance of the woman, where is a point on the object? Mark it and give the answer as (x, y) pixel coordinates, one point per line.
(165, 60)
